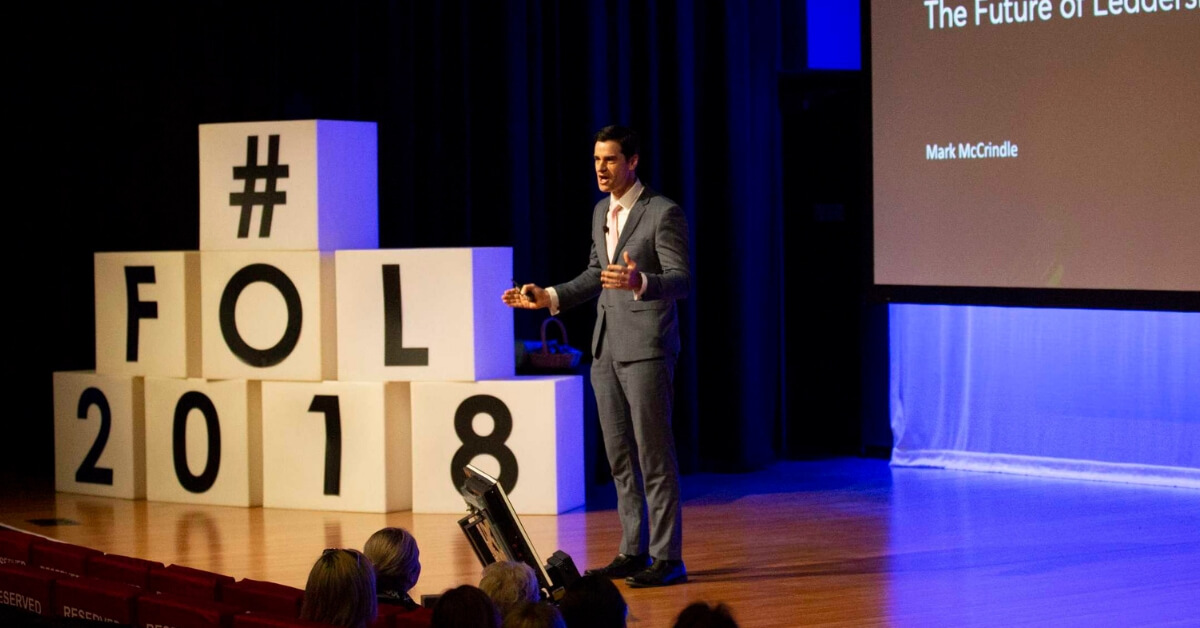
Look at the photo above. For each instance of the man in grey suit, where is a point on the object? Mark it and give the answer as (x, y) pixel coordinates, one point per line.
(638, 268)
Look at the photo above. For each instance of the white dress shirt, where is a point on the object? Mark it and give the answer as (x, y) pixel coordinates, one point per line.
(625, 203)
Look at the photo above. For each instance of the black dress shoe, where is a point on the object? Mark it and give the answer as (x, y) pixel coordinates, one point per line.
(662, 573)
(621, 566)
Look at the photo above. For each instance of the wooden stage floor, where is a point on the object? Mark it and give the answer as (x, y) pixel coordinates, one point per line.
(844, 542)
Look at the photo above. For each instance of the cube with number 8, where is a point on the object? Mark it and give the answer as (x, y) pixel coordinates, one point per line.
(525, 431)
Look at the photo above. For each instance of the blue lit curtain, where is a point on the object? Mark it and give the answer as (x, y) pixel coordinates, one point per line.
(1093, 394)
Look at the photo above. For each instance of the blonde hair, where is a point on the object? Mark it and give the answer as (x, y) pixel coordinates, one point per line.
(397, 560)
(510, 584)
(340, 590)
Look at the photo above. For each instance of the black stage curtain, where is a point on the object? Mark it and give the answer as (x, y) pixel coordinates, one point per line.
(486, 112)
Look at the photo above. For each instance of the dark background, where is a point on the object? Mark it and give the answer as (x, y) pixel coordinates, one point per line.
(485, 115)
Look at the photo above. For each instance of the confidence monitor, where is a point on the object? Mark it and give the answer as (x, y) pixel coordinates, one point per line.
(495, 533)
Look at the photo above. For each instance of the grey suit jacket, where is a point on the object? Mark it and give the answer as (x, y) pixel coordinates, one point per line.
(656, 237)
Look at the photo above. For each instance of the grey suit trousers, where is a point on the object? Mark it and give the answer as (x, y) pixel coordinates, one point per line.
(634, 403)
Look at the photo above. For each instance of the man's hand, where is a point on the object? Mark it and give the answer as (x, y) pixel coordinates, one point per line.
(527, 297)
(618, 277)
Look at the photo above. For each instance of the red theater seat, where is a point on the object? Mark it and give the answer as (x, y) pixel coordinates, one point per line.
(420, 618)
(177, 612)
(383, 619)
(266, 620)
(392, 616)
(27, 588)
(116, 568)
(15, 546)
(61, 557)
(97, 600)
(265, 597)
(188, 582)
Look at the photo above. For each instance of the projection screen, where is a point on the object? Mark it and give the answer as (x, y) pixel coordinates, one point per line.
(1037, 144)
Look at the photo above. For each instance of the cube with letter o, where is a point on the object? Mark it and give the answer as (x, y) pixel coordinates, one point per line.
(268, 315)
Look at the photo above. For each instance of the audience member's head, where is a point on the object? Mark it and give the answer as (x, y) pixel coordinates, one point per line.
(701, 615)
(340, 590)
(465, 607)
(534, 615)
(593, 602)
(397, 561)
(510, 584)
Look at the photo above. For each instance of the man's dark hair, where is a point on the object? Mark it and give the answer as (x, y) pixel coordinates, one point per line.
(465, 606)
(593, 602)
(701, 615)
(625, 136)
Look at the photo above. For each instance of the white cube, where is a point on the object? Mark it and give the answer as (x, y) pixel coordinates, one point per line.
(527, 432)
(99, 434)
(301, 185)
(424, 314)
(148, 313)
(204, 441)
(268, 315)
(337, 446)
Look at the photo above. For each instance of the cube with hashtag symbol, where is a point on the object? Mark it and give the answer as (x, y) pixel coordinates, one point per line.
(301, 185)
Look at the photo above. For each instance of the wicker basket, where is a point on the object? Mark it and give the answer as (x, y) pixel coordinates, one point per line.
(555, 356)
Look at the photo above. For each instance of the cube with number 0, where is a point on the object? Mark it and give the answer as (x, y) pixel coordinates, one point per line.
(204, 441)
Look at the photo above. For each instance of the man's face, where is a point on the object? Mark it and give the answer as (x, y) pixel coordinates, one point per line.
(614, 173)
